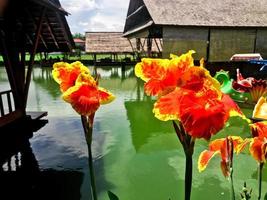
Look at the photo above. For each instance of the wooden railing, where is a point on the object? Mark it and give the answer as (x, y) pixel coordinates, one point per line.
(8, 112)
(6, 104)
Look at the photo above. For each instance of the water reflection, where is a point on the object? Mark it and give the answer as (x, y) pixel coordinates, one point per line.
(43, 78)
(139, 113)
(135, 155)
(20, 173)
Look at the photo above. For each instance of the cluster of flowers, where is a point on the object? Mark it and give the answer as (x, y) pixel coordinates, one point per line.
(190, 95)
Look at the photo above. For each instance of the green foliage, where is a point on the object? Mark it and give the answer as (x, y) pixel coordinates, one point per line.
(78, 35)
(112, 196)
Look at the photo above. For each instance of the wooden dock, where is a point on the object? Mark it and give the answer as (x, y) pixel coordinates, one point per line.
(36, 115)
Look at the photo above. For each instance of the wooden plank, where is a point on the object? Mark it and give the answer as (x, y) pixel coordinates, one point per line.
(2, 112)
(50, 29)
(36, 115)
(9, 103)
(11, 117)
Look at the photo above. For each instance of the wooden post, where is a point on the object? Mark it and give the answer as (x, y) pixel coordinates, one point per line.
(255, 41)
(138, 49)
(95, 57)
(155, 40)
(149, 47)
(208, 47)
(23, 65)
(32, 56)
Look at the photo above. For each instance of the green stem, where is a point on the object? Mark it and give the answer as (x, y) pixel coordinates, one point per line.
(188, 175)
(88, 131)
(92, 175)
(260, 178)
(232, 184)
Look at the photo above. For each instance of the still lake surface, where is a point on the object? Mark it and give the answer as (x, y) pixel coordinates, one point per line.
(136, 156)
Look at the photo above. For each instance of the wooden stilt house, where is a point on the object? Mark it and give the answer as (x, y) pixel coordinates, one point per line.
(215, 29)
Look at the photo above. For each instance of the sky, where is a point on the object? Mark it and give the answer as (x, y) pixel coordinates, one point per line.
(96, 15)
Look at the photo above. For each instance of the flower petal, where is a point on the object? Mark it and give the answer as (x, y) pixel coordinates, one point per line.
(258, 149)
(151, 68)
(66, 74)
(161, 75)
(259, 129)
(204, 159)
(216, 145)
(105, 96)
(208, 115)
(230, 105)
(194, 78)
(167, 107)
(225, 169)
(60, 71)
(260, 109)
(83, 98)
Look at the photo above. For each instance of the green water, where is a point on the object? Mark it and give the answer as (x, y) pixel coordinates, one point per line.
(136, 156)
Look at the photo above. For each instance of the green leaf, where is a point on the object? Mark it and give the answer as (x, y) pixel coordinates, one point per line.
(112, 196)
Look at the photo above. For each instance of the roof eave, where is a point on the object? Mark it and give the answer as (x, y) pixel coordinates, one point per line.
(51, 5)
(138, 29)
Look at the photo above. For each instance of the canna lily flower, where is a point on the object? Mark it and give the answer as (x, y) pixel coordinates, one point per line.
(205, 110)
(65, 74)
(187, 93)
(258, 149)
(85, 96)
(162, 75)
(81, 90)
(259, 129)
(260, 110)
(225, 147)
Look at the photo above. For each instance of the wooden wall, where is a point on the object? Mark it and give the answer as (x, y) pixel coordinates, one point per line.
(223, 42)
(261, 42)
(178, 40)
(226, 42)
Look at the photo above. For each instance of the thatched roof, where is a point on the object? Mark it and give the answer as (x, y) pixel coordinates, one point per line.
(226, 13)
(110, 42)
(107, 42)
(208, 12)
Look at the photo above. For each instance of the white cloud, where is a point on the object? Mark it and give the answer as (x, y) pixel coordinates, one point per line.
(74, 6)
(96, 15)
(103, 22)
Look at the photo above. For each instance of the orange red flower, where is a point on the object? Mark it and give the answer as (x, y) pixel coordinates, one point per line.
(259, 129)
(223, 147)
(163, 75)
(258, 149)
(186, 93)
(65, 74)
(79, 88)
(86, 97)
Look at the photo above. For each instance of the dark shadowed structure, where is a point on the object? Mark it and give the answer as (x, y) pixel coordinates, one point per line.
(215, 29)
(28, 26)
